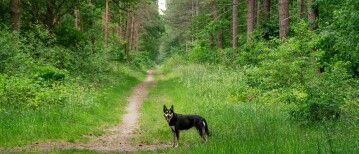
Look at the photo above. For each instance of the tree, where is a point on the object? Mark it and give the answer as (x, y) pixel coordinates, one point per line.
(266, 9)
(218, 30)
(283, 18)
(312, 14)
(119, 26)
(76, 19)
(250, 17)
(106, 17)
(48, 12)
(301, 8)
(128, 32)
(234, 23)
(15, 12)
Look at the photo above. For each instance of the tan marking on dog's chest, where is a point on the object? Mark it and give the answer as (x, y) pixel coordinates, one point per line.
(173, 128)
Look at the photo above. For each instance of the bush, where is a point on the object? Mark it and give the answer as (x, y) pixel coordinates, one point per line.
(50, 73)
(203, 54)
(326, 93)
(140, 60)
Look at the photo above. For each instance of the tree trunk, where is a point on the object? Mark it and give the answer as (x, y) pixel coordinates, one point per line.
(76, 19)
(218, 30)
(250, 17)
(301, 8)
(234, 23)
(132, 32)
(15, 12)
(258, 12)
(49, 17)
(283, 18)
(266, 10)
(136, 36)
(197, 7)
(128, 32)
(193, 12)
(119, 30)
(106, 29)
(312, 15)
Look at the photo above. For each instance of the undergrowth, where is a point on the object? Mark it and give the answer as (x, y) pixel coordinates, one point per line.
(83, 111)
(242, 118)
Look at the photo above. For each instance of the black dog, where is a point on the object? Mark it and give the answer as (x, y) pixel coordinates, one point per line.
(179, 122)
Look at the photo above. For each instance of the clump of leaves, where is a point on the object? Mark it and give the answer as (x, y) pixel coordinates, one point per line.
(326, 93)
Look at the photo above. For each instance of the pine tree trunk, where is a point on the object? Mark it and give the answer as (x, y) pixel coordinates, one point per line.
(128, 31)
(312, 15)
(301, 8)
(49, 17)
(250, 17)
(258, 12)
(106, 29)
(283, 18)
(197, 7)
(192, 17)
(76, 19)
(136, 36)
(266, 10)
(15, 12)
(132, 32)
(218, 30)
(119, 28)
(234, 23)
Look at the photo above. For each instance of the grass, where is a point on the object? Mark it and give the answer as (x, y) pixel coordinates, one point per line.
(89, 114)
(54, 151)
(236, 127)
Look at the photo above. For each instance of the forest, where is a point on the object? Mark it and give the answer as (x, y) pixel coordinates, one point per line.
(269, 76)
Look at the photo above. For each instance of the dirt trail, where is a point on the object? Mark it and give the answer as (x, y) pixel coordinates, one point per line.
(117, 138)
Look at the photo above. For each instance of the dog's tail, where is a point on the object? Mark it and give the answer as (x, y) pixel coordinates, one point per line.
(206, 127)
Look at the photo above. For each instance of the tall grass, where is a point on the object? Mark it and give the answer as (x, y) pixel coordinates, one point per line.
(91, 107)
(237, 125)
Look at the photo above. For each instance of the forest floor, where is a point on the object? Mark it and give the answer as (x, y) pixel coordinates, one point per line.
(118, 137)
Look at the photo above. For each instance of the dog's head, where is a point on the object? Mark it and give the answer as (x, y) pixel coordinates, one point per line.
(168, 113)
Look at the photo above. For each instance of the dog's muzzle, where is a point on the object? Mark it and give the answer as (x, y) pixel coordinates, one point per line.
(168, 117)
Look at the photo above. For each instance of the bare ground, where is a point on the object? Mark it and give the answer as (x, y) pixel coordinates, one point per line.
(116, 138)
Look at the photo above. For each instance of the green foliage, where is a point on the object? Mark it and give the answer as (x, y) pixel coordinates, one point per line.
(339, 38)
(56, 83)
(295, 71)
(326, 93)
(203, 54)
(4, 9)
(257, 126)
(68, 36)
(14, 56)
(140, 60)
(63, 111)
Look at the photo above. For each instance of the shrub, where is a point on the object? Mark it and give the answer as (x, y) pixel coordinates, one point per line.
(326, 93)
(203, 54)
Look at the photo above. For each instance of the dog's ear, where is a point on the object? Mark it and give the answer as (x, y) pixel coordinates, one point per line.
(172, 109)
(164, 108)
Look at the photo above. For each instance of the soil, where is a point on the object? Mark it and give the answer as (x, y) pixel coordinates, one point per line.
(116, 138)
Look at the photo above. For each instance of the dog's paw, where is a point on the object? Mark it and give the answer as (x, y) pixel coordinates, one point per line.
(175, 145)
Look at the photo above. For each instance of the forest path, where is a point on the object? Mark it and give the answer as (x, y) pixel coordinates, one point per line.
(116, 138)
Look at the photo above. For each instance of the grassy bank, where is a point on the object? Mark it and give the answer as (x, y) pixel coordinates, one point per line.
(93, 104)
(261, 126)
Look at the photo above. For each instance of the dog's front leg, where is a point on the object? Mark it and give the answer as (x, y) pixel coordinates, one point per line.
(174, 140)
(177, 138)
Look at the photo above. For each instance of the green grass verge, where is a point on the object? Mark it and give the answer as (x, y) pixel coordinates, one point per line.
(53, 151)
(70, 122)
(238, 127)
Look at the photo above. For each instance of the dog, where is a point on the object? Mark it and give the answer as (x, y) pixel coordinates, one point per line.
(179, 122)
